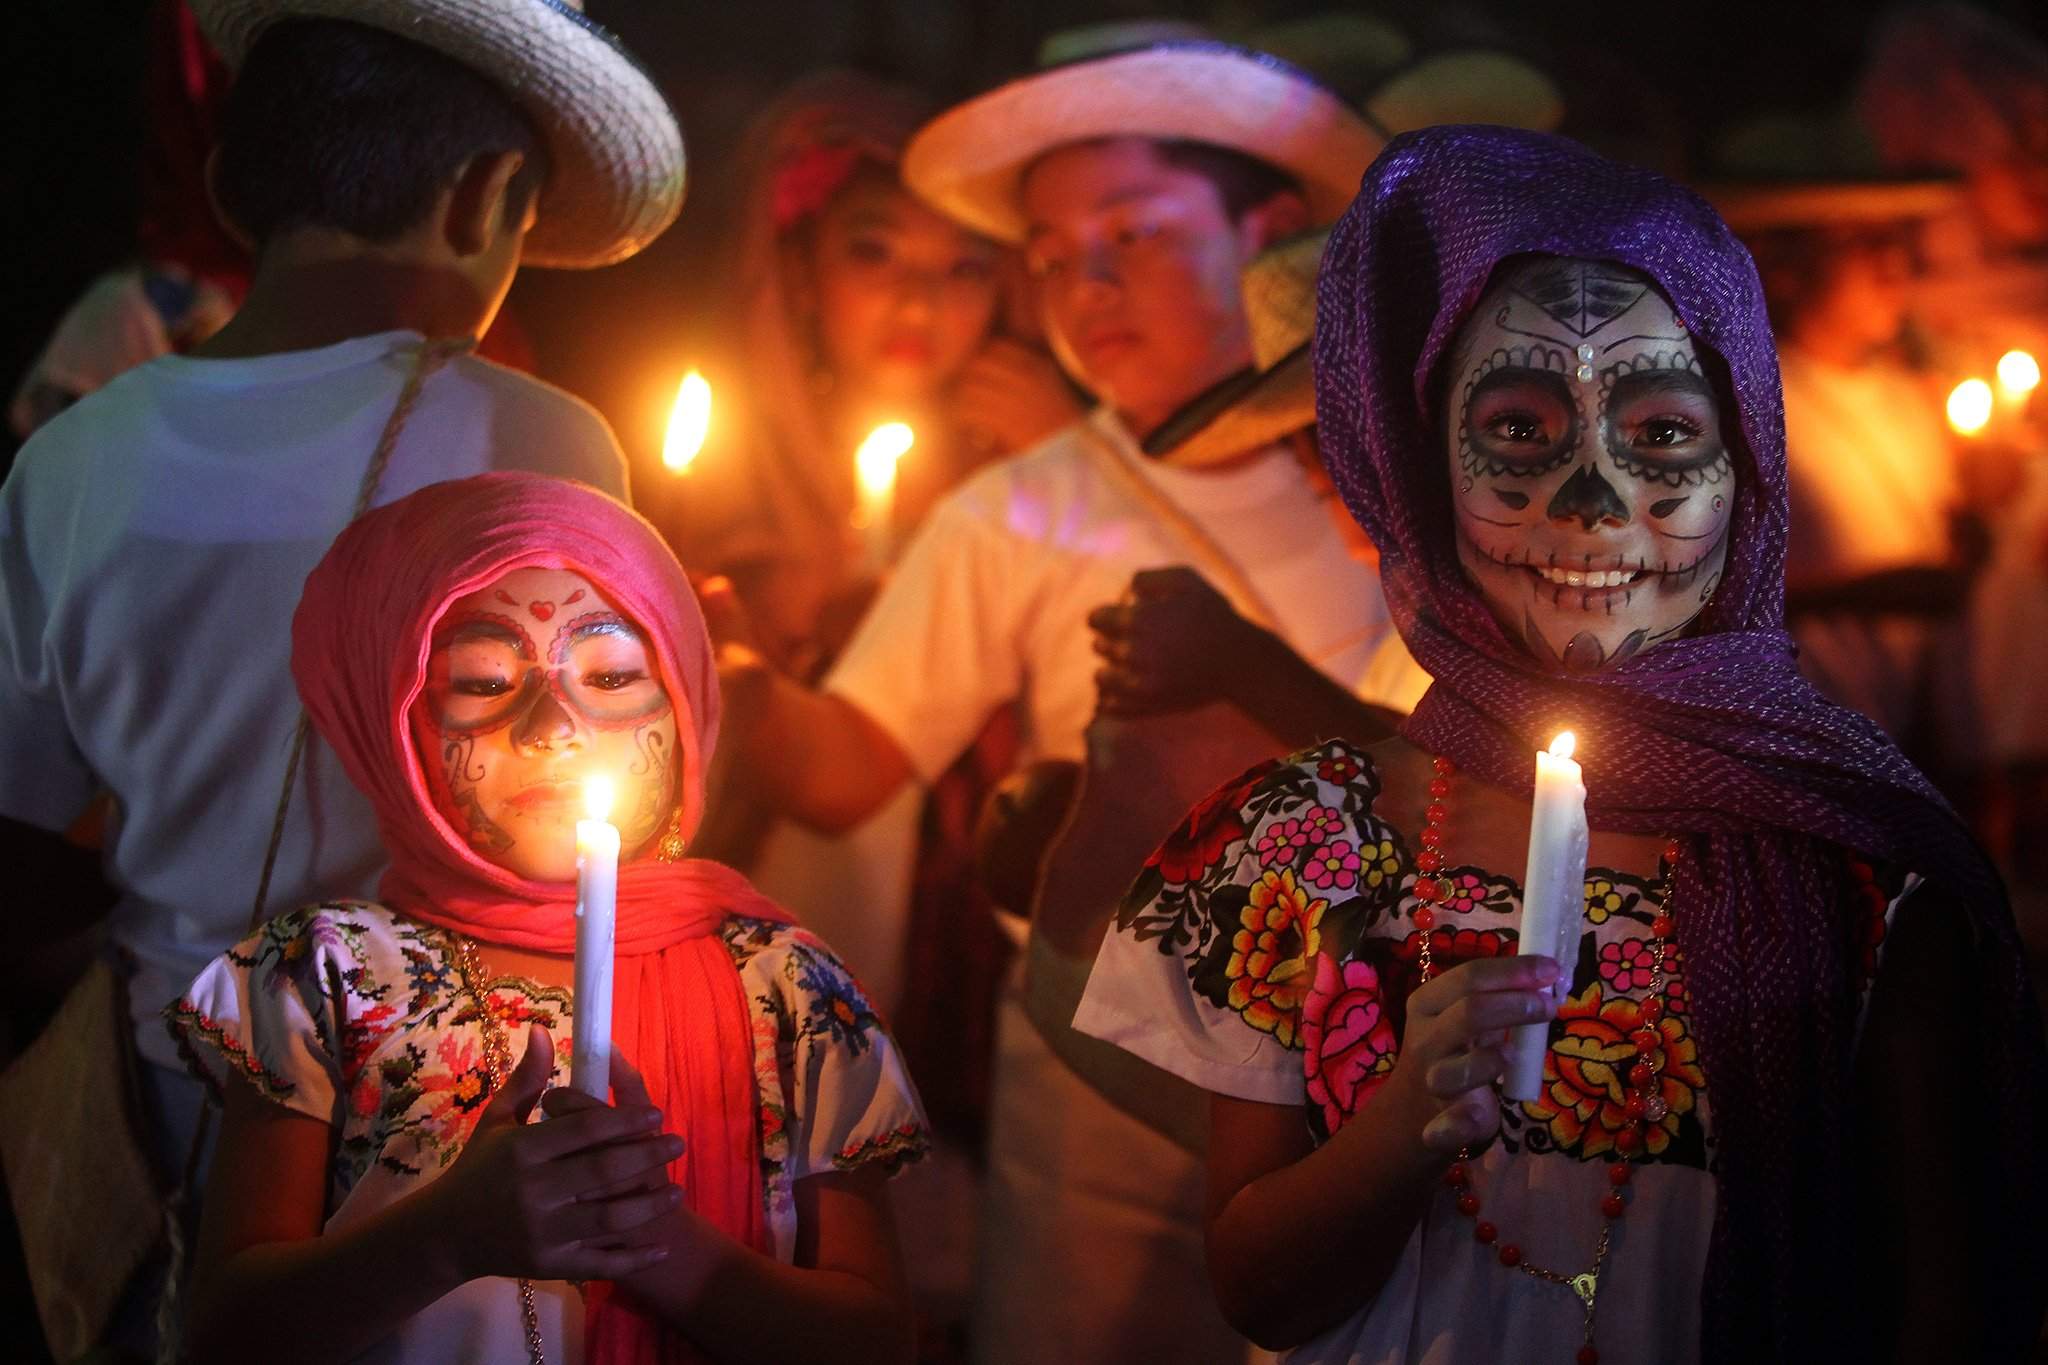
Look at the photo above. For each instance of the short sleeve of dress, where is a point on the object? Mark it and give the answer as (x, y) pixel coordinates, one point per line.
(271, 1009)
(845, 1095)
(1214, 949)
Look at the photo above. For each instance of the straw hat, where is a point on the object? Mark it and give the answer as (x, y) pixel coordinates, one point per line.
(616, 181)
(1790, 170)
(970, 160)
(1276, 396)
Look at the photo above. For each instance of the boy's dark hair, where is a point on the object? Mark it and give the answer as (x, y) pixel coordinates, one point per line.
(1244, 181)
(336, 124)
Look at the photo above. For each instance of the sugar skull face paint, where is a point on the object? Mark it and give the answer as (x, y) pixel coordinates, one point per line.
(1592, 485)
(536, 684)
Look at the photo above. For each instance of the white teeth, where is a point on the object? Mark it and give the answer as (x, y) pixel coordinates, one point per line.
(1570, 578)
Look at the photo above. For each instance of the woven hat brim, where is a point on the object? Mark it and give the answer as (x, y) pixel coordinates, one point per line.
(1281, 402)
(969, 161)
(617, 174)
(1762, 205)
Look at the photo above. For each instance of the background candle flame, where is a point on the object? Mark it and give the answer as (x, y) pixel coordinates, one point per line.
(2018, 373)
(875, 461)
(1562, 746)
(689, 421)
(1969, 406)
(597, 797)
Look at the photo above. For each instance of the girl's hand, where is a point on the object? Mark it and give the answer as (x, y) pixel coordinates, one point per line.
(1454, 1049)
(1011, 396)
(569, 1199)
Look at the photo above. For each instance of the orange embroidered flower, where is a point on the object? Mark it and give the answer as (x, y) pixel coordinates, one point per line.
(1270, 956)
(1585, 1075)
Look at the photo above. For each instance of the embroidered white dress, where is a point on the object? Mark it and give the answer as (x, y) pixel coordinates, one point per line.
(1267, 953)
(356, 1016)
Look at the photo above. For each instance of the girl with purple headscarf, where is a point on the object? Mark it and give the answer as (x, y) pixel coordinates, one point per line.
(1795, 1066)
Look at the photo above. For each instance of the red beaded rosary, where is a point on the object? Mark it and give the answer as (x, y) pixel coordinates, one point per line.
(1643, 1106)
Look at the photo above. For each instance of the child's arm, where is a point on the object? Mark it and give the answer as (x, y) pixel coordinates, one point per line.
(268, 1282)
(843, 1302)
(1344, 1211)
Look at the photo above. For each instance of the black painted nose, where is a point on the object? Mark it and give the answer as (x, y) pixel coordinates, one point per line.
(1588, 497)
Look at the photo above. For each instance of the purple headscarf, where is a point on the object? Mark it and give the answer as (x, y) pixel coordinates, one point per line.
(1714, 737)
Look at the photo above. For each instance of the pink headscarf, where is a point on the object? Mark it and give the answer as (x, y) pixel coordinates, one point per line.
(360, 641)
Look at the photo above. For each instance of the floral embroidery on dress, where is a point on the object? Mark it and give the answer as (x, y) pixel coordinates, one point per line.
(1347, 1038)
(1585, 1078)
(1268, 968)
(378, 1001)
(894, 1148)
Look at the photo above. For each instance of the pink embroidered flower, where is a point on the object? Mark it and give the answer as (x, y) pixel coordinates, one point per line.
(1466, 893)
(1282, 842)
(1347, 1040)
(1333, 865)
(1320, 824)
(1628, 965)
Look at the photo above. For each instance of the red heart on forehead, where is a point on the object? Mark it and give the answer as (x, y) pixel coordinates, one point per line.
(541, 610)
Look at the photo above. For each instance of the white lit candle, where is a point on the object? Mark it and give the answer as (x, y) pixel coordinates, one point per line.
(875, 465)
(1553, 899)
(1969, 407)
(597, 892)
(689, 422)
(2019, 374)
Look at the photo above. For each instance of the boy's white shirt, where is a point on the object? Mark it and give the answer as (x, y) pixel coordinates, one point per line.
(990, 601)
(153, 541)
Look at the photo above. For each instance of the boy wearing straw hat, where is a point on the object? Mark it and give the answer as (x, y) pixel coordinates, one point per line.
(1140, 185)
(391, 164)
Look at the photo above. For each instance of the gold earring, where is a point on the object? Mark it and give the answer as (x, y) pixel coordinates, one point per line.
(672, 844)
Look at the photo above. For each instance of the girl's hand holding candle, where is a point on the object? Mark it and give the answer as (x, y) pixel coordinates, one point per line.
(597, 886)
(1553, 898)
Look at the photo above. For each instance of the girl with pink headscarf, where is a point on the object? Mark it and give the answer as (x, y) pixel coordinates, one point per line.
(474, 654)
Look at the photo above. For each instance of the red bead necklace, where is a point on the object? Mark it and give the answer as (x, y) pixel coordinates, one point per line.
(1643, 1106)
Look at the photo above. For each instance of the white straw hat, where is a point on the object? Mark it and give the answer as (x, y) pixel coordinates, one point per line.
(616, 179)
(970, 160)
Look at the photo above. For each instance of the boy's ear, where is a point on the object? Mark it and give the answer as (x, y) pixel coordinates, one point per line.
(234, 230)
(476, 203)
(1280, 217)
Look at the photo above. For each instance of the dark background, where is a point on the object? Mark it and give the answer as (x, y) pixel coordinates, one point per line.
(1654, 81)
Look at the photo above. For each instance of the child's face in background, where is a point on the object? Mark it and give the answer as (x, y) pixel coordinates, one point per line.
(1138, 268)
(535, 685)
(902, 297)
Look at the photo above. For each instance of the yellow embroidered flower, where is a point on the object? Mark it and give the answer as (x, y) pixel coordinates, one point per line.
(1270, 955)
(1382, 864)
(1603, 898)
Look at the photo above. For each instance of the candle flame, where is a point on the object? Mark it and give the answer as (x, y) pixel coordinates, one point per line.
(1969, 406)
(2018, 373)
(1562, 746)
(689, 421)
(597, 797)
(875, 461)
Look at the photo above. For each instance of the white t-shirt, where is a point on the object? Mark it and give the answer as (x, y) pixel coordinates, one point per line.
(153, 541)
(990, 602)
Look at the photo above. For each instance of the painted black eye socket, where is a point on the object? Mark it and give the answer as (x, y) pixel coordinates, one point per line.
(1668, 431)
(1518, 421)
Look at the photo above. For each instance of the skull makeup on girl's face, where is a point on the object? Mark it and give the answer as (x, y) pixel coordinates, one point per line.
(1592, 486)
(535, 685)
